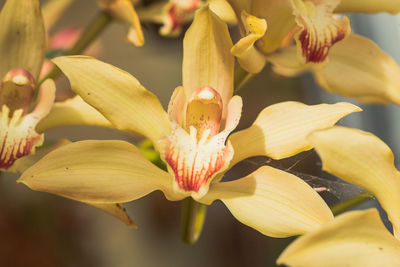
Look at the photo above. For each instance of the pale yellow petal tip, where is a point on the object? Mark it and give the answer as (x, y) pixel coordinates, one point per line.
(356, 238)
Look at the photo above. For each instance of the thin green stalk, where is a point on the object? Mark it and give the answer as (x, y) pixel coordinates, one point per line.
(351, 202)
(241, 77)
(193, 217)
(95, 27)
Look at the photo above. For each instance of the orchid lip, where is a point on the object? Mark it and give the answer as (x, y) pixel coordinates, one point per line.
(197, 152)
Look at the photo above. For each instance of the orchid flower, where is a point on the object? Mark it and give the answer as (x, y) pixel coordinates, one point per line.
(174, 14)
(355, 238)
(342, 62)
(192, 138)
(22, 44)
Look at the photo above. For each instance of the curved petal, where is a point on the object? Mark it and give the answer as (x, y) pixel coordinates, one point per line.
(368, 6)
(272, 201)
(280, 19)
(248, 56)
(22, 164)
(98, 172)
(280, 130)
(356, 239)
(117, 210)
(319, 28)
(117, 95)
(73, 111)
(357, 68)
(177, 106)
(123, 10)
(22, 37)
(362, 159)
(206, 57)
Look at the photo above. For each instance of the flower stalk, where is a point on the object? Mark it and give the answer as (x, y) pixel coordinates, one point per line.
(193, 217)
(95, 27)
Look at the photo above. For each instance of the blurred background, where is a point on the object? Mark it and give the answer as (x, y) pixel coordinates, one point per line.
(39, 229)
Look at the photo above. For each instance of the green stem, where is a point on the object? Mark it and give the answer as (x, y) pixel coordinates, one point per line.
(95, 27)
(241, 77)
(351, 202)
(193, 216)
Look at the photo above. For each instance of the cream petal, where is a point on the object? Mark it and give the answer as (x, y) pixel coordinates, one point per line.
(280, 130)
(98, 172)
(22, 37)
(272, 201)
(117, 95)
(368, 6)
(123, 10)
(21, 164)
(206, 57)
(362, 159)
(356, 238)
(247, 54)
(319, 28)
(73, 111)
(177, 106)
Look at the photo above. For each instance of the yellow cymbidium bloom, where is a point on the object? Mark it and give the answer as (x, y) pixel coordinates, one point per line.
(22, 46)
(355, 238)
(192, 139)
(342, 62)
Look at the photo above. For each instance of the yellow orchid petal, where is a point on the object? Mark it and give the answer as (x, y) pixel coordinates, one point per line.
(17, 132)
(22, 36)
(368, 6)
(272, 201)
(280, 19)
(123, 10)
(117, 210)
(52, 11)
(357, 68)
(177, 105)
(206, 57)
(73, 111)
(248, 56)
(319, 28)
(117, 95)
(362, 159)
(98, 172)
(280, 130)
(223, 10)
(356, 239)
(21, 164)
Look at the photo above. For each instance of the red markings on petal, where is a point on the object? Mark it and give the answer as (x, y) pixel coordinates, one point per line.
(17, 137)
(195, 163)
(320, 29)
